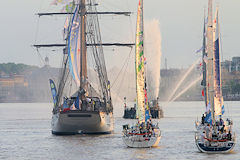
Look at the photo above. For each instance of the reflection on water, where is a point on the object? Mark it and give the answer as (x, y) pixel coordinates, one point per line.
(26, 134)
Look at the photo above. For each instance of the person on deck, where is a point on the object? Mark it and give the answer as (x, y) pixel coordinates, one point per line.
(221, 122)
(203, 119)
(208, 131)
(222, 129)
(229, 135)
(203, 135)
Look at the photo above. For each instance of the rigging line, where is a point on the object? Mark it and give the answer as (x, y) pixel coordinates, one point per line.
(221, 46)
(125, 62)
(40, 56)
(38, 21)
(129, 81)
(94, 72)
(118, 91)
(113, 5)
(131, 24)
(37, 30)
(70, 90)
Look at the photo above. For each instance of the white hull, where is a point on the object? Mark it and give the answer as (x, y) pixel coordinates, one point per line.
(206, 146)
(217, 147)
(76, 121)
(139, 141)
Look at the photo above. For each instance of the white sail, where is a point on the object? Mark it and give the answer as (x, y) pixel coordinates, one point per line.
(218, 99)
(139, 65)
(210, 73)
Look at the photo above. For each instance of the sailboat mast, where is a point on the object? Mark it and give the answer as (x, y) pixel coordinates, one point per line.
(204, 54)
(83, 49)
(210, 63)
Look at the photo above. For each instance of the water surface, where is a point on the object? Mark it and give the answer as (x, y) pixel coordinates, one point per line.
(25, 133)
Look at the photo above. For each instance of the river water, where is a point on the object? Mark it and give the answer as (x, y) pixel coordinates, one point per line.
(25, 133)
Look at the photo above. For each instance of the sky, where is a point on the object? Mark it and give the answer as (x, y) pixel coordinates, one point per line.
(181, 25)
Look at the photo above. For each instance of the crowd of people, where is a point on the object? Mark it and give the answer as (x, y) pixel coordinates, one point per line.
(144, 128)
(223, 131)
(86, 104)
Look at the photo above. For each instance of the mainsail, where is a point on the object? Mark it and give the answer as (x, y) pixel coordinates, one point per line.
(218, 99)
(139, 65)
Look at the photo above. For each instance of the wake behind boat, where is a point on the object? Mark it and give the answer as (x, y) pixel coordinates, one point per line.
(144, 133)
(213, 135)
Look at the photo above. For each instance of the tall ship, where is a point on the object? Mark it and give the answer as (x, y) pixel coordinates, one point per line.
(82, 105)
(213, 133)
(144, 133)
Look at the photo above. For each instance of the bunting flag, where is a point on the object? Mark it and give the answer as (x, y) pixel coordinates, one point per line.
(199, 50)
(74, 47)
(65, 29)
(56, 2)
(68, 8)
(203, 92)
(223, 109)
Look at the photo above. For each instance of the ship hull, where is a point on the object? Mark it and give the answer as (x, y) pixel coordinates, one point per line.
(140, 141)
(86, 122)
(228, 148)
(215, 147)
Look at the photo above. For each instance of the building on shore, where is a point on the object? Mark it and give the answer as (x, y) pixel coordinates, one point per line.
(12, 87)
(231, 66)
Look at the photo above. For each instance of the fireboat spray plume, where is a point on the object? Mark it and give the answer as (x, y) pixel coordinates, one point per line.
(153, 54)
(183, 78)
(187, 88)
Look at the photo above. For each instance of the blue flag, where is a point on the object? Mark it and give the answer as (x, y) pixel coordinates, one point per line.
(223, 110)
(54, 92)
(208, 118)
(147, 115)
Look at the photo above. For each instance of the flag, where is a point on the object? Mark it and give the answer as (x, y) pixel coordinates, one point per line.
(53, 91)
(203, 92)
(68, 7)
(147, 115)
(56, 2)
(74, 47)
(65, 29)
(199, 50)
(223, 109)
(208, 118)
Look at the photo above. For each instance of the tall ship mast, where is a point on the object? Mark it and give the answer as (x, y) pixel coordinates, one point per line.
(79, 105)
(213, 135)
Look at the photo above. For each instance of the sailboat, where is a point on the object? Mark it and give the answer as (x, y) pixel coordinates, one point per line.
(82, 105)
(213, 135)
(144, 133)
